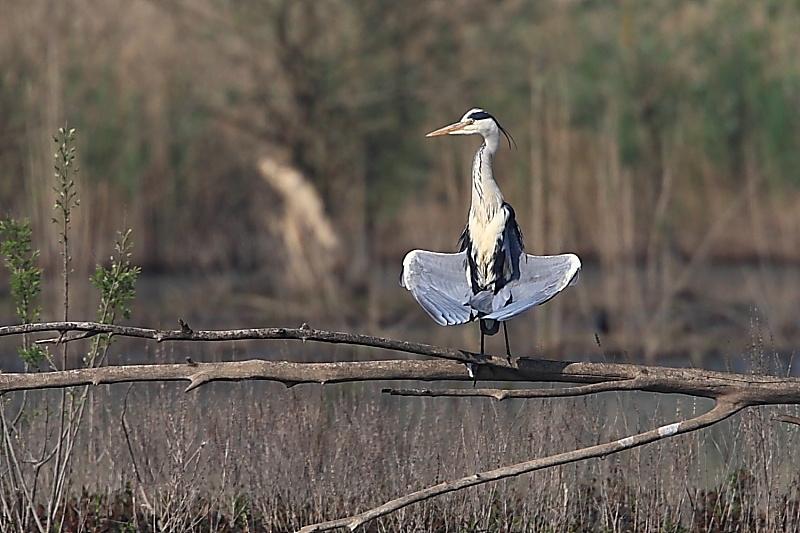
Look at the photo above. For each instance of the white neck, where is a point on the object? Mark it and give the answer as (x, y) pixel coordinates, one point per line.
(486, 195)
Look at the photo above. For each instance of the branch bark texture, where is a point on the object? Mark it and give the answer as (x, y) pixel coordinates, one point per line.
(751, 389)
(198, 374)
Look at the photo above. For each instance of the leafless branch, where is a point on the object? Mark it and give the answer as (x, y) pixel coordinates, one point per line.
(722, 410)
(303, 333)
(505, 394)
(198, 374)
(787, 418)
(732, 392)
(754, 389)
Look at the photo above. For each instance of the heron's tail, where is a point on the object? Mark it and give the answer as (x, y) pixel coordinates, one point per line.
(489, 327)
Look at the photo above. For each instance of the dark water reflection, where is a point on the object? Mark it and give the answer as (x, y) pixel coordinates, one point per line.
(719, 317)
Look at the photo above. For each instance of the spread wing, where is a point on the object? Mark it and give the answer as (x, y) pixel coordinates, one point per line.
(438, 283)
(540, 278)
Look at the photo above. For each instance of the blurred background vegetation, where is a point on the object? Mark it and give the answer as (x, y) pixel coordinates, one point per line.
(282, 142)
(270, 159)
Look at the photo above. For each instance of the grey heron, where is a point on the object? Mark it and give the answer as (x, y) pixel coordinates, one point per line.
(490, 278)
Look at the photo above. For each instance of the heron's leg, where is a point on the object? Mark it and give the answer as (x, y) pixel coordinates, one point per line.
(473, 370)
(508, 347)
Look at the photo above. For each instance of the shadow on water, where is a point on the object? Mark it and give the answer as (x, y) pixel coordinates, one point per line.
(722, 312)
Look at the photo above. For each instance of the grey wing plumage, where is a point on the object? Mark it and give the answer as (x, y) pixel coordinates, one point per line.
(540, 278)
(438, 283)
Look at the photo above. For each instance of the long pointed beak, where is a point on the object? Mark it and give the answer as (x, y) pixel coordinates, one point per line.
(448, 129)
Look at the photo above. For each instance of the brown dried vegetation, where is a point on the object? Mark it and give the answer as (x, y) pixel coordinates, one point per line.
(655, 139)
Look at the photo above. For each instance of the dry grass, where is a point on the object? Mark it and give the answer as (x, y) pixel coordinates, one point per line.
(655, 142)
(259, 457)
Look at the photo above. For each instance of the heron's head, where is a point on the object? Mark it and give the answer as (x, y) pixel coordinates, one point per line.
(474, 121)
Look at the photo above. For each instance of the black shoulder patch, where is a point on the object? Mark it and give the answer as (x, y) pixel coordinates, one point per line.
(511, 212)
(464, 241)
(512, 227)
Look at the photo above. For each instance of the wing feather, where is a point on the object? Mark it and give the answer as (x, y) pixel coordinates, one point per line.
(541, 277)
(438, 283)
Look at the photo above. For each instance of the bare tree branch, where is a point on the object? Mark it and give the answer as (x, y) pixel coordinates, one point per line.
(505, 394)
(732, 392)
(754, 389)
(787, 418)
(303, 333)
(198, 374)
(722, 410)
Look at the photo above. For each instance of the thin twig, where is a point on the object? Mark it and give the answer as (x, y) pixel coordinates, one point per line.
(127, 434)
(506, 394)
(787, 418)
(302, 333)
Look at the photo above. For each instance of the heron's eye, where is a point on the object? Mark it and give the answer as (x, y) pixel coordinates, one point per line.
(472, 121)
